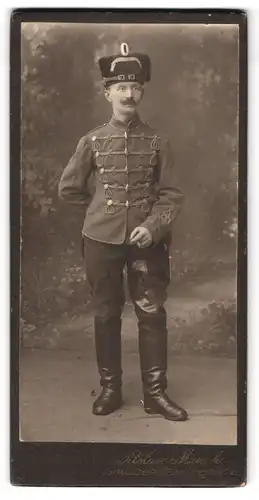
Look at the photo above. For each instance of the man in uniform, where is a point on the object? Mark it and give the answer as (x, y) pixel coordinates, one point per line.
(128, 223)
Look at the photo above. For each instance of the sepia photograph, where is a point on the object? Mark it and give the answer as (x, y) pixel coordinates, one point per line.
(129, 233)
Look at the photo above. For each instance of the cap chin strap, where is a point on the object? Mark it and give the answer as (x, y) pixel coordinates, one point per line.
(121, 78)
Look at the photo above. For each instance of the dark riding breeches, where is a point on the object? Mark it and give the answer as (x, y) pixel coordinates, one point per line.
(148, 276)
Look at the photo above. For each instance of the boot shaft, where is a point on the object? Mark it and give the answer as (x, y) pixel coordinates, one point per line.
(108, 351)
(153, 351)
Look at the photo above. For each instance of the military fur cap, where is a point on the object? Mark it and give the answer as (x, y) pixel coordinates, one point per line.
(125, 67)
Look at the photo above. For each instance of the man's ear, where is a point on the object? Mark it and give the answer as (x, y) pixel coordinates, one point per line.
(107, 94)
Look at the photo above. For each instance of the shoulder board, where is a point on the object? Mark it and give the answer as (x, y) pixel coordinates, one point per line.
(96, 128)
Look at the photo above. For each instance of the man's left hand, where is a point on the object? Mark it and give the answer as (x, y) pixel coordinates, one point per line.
(141, 236)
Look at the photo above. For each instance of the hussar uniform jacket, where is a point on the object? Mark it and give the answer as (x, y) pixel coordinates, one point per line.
(133, 168)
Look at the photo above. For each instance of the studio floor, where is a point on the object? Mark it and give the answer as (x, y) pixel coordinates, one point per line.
(57, 389)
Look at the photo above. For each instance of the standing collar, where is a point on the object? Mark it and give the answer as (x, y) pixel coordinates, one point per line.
(125, 126)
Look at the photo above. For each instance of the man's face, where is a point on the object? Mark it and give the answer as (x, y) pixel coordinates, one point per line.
(124, 97)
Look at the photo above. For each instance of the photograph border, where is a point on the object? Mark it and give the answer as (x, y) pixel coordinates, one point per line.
(126, 464)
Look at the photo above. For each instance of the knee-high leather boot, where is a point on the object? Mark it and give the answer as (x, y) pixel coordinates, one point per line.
(153, 363)
(108, 354)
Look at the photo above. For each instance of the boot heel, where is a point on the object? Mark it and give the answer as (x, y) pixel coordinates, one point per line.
(148, 407)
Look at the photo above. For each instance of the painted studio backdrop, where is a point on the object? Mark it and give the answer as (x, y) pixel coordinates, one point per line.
(192, 98)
